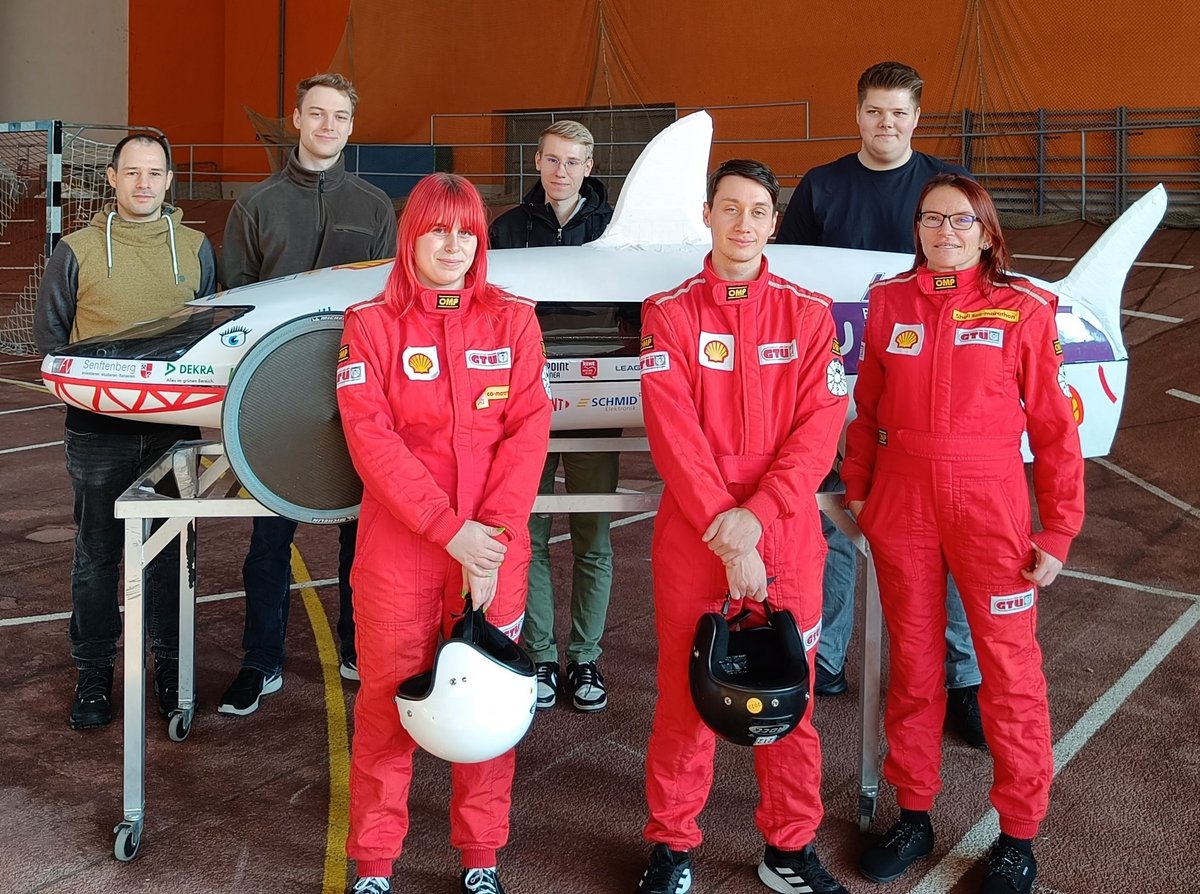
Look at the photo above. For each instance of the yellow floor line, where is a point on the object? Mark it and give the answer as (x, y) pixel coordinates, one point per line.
(334, 879)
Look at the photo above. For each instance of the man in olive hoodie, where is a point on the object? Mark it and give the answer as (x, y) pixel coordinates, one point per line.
(135, 261)
(310, 215)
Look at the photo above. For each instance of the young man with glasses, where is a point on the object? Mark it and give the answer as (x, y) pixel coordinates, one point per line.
(867, 200)
(567, 206)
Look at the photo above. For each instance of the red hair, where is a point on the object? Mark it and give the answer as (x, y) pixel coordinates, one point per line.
(995, 259)
(439, 199)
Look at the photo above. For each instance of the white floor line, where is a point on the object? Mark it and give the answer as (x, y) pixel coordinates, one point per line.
(1129, 585)
(29, 447)
(975, 844)
(214, 597)
(1161, 265)
(1143, 315)
(1146, 485)
(1042, 258)
(618, 523)
(32, 386)
(15, 362)
(1184, 395)
(29, 409)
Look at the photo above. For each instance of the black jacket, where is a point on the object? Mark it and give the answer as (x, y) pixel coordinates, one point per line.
(532, 223)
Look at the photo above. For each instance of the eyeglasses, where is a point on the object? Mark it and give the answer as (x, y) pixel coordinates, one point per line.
(573, 164)
(933, 220)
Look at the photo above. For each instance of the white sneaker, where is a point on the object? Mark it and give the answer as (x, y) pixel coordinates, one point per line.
(373, 884)
(480, 881)
(349, 669)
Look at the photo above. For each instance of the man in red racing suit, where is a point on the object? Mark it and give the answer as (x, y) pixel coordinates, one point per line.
(744, 396)
(954, 369)
(446, 415)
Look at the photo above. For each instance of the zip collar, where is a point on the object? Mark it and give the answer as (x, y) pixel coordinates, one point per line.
(733, 293)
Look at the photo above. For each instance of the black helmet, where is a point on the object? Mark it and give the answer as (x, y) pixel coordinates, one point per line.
(749, 686)
(478, 701)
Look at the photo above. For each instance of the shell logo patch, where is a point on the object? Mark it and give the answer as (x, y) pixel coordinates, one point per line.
(988, 313)
(421, 363)
(835, 378)
(942, 283)
(907, 338)
(716, 351)
(1076, 405)
(736, 293)
(754, 705)
(449, 302)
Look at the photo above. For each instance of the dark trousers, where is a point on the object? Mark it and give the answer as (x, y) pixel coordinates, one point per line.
(267, 573)
(102, 466)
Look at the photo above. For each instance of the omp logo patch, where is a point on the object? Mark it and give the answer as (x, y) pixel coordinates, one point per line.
(343, 353)
(716, 350)
(655, 361)
(1058, 347)
(1014, 604)
(907, 338)
(421, 363)
(942, 283)
(881, 438)
(736, 293)
(449, 302)
(351, 374)
(988, 313)
(777, 352)
(980, 336)
(837, 349)
(478, 358)
(647, 343)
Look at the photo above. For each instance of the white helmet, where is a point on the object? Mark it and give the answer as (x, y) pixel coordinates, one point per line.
(479, 699)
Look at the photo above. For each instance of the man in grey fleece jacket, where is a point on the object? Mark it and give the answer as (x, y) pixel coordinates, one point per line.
(135, 261)
(312, 214)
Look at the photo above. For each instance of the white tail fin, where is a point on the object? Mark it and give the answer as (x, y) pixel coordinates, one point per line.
(661, 201)
(1096, 282)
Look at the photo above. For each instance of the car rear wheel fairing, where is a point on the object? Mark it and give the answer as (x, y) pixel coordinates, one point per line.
(282, 430)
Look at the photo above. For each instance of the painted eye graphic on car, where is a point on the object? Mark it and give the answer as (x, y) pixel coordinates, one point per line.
(234, 336)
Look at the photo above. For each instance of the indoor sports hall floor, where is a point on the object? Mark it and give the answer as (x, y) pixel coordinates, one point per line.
(257, 804)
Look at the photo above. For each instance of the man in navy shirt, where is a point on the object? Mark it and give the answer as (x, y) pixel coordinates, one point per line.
(868, 200)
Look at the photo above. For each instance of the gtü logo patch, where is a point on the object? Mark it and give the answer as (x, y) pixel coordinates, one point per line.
(1014, 604)
(980, 336)
(501, 358)
(777, 352)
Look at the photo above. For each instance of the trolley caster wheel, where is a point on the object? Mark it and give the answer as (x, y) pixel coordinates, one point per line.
(866, 812)
(127, 843)
(179, 726)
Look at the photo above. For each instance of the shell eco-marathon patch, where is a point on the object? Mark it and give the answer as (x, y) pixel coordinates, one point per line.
(656, 361)
(716, 350)
(988, 313)
(1013, 604)
(907, 338)
(351, 374)
(491, 393)
(498, 358)
(981, 335)
(421, 363)
(777, 352)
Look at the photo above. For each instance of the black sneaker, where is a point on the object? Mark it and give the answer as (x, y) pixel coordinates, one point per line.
(669, 872)
(241, 698)
(962, 713)
(547, 684)
(587, 686)
(480, 881)
(901, 846)
(1009, 870)
(828, 684)
(93, 698)
(372, 884)
(793, 872)
(166, 685)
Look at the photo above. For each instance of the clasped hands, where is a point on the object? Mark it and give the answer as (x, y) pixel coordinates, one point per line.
(480, 554)
(733, 537)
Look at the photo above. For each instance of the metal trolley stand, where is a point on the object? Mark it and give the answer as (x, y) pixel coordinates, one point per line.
(208, 489)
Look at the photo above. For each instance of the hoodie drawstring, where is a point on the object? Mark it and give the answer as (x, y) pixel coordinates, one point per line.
(171, 240)
(108, 240)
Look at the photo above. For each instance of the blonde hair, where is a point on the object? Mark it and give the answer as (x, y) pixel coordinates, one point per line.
(572, 132)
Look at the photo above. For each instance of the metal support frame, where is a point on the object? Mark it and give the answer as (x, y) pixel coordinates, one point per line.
(211, 491)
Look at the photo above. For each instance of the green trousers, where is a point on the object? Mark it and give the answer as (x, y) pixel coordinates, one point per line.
(591, 579)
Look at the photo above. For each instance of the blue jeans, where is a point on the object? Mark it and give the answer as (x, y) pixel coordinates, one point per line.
(102, 466)
(837, 609)
(267, 574)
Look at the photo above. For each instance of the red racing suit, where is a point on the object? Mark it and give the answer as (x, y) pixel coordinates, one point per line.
(447, 416)
(744, 396)
(953, 371)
